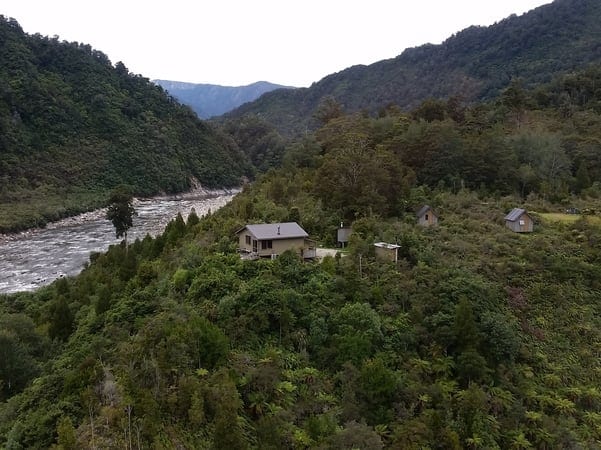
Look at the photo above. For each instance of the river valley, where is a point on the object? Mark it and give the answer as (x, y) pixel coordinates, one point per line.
(35, 258)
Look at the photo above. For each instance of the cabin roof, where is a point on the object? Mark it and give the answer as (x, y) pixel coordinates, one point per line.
(386, 245)
(515, 214)
(424, 209)
(285, 230)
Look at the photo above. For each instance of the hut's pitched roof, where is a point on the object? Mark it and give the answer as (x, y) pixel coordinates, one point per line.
(424, 209)
(285, 230)
(515, 214)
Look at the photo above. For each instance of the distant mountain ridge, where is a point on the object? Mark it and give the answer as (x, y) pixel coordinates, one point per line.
(208, 100)
(474, 64)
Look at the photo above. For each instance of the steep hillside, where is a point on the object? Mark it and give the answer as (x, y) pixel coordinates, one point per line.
(474, 64)
(477, 338)
(73, 126)
(208, 100)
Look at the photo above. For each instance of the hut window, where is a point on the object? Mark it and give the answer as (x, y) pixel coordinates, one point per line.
(266, 244)
(426, 216)
(522, 222)
(248, 239)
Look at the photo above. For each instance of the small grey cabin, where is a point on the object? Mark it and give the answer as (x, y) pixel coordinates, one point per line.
(268, 240)
(426, 216)
(519, 221)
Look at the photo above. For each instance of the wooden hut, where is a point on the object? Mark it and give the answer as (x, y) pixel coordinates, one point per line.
(519, 221)
(426, 216)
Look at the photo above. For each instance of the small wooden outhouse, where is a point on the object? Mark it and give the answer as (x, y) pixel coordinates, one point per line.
(519, 221)
(426, 216)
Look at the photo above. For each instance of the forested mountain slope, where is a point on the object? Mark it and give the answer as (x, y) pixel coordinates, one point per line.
(476, 63)
(208, 100)
(72, 127)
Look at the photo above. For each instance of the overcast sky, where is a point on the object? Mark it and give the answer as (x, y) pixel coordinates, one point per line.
(237, 42)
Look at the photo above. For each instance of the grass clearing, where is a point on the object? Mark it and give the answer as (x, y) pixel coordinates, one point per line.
(569, 218)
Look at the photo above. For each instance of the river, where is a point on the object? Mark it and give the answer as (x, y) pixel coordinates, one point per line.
(35, 258)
